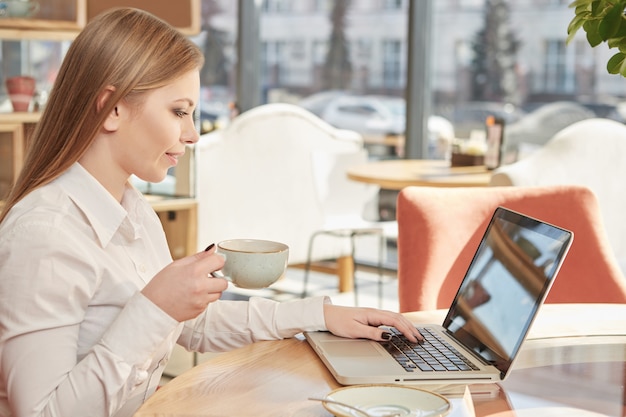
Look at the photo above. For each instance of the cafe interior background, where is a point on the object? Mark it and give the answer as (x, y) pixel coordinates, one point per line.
(416, 79)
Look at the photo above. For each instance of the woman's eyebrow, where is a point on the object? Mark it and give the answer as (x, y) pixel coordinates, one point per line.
(187, 100)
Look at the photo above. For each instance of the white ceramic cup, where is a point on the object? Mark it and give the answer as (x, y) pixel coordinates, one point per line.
(253, 263)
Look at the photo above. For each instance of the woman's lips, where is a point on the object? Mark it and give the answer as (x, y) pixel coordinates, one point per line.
(173, 157)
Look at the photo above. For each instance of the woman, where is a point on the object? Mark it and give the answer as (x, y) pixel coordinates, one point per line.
(91, 303)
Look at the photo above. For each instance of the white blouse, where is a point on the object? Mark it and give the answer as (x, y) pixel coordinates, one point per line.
(77, 338)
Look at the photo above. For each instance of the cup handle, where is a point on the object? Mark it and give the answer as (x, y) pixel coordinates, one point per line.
(218, 274)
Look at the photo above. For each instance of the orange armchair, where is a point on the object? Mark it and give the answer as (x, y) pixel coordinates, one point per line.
(439, 230)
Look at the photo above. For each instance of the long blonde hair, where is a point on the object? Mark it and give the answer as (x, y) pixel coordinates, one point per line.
(128, 49)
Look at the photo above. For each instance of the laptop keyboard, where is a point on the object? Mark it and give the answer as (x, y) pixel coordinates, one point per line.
(434, 354)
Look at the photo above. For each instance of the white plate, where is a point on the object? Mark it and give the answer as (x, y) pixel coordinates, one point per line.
(380, 400)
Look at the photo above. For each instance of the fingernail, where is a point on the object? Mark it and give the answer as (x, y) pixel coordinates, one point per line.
(387, 336)
(208, 248)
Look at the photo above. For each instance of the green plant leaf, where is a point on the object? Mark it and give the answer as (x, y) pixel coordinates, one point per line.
(575, 24)
(611, 22)
(583, 11)
(593, 35)
(598, 7)
(617, 64)
(602, 21)
(618, 42)
(580, 3)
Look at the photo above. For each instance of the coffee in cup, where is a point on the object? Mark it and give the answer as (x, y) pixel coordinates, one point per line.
(253, 263)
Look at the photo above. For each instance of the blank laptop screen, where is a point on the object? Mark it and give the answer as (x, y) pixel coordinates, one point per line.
(505, 284)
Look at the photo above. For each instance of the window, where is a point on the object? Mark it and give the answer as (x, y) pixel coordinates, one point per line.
(276, 6)
(319, 51)
(274, 62)
(296, 39)
(393, 4)
(392, 64)
(363, 50)
(556, 74)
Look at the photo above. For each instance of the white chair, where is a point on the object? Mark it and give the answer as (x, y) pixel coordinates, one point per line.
(590, 152)
(277, 172)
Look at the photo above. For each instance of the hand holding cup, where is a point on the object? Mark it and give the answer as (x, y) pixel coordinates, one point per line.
(182, 288)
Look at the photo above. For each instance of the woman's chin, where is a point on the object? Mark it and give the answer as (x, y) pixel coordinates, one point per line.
(157, 176)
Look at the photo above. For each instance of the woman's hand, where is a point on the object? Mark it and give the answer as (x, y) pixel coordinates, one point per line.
(355, 322)
(183, 289)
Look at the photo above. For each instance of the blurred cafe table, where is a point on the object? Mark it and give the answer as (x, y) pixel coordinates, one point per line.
(573, 364)
(395, 174)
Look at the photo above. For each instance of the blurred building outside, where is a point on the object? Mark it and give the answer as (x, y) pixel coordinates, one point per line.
(297, 38)
(486, 55)
(501, 57)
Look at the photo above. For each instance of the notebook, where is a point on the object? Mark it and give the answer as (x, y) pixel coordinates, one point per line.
(506, 282)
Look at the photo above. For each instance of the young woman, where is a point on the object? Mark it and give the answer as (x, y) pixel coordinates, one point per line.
(91, 303)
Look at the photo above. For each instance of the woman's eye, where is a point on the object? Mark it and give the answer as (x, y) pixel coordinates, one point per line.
(180, 113)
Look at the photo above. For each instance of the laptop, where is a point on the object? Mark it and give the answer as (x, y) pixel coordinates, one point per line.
(507, 281)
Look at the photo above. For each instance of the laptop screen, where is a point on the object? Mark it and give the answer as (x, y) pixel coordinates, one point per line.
(508, 279)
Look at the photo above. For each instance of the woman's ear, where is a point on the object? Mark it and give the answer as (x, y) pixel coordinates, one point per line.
(111, 123)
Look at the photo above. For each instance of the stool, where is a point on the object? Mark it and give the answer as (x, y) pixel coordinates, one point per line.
(350, 234)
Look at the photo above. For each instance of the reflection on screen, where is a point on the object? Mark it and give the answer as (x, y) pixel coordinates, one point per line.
(504, 286)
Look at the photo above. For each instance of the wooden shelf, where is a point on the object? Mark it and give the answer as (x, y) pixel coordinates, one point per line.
(56, 20)
(29, 34)
(39, 24)
(45, 25)
(182, 14)
(19, 117)
(15, 132)
(12, 147)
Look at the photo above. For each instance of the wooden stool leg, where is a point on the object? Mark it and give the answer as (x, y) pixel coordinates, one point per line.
(345, 272)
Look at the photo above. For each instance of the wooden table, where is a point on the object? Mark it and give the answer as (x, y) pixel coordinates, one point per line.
(573, 364)
(399, 173)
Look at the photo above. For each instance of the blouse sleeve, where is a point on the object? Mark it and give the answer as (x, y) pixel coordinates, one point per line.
(228, 325)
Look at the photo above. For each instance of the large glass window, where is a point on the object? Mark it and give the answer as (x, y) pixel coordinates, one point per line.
(488, 57)
(507, 58)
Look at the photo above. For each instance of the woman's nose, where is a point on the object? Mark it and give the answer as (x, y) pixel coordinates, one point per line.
(190, 135)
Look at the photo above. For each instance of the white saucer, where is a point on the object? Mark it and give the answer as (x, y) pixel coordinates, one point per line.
(380, 400)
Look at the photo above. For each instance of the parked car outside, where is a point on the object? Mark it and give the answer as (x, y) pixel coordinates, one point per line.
(613, 111)
(316, 103)
(377, 118)
(368, 115)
